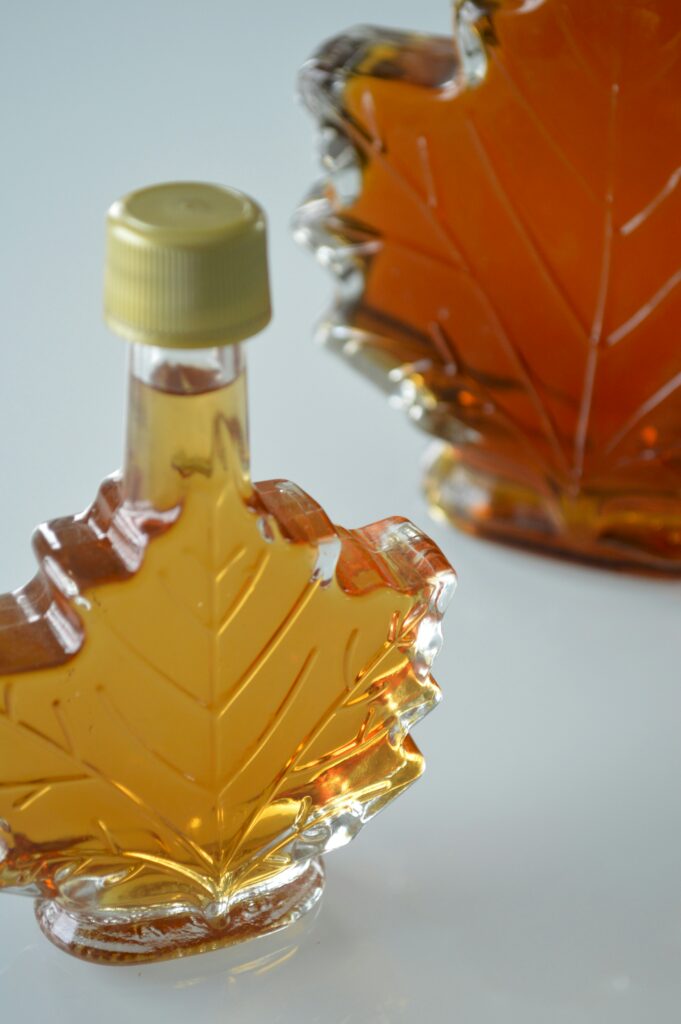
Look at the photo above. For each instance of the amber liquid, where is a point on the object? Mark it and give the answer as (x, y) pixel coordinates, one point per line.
(230, 697)
(525, 274)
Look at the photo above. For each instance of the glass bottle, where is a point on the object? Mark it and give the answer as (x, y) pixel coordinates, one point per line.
(207, 685)
(500, 210)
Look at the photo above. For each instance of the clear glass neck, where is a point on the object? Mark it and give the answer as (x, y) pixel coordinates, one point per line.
(186, 371)
(187, 415)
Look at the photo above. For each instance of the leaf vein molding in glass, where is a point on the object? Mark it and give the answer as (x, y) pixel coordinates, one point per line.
(499, 208)
(206, 686)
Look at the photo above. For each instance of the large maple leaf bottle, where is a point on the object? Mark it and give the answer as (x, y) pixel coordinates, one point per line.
(207, 685)
(501, 209)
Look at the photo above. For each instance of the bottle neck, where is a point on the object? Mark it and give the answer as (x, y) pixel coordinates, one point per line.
(187, 418)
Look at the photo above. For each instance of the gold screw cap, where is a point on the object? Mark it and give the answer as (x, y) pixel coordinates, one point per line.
(186, 266)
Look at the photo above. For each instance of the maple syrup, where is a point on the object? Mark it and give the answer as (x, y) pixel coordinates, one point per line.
(208, 685)
(500, 209)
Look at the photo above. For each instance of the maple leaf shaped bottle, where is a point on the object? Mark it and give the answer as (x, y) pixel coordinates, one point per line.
(501, 209)
(207, 685)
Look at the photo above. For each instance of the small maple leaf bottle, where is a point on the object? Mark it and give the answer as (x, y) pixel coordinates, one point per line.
(207, 685)
(500, 208)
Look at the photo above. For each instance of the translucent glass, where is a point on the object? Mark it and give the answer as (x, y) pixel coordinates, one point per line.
(500, 209)
(206, 687)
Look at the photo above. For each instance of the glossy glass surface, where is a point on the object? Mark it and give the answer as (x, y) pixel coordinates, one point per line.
(206, 687)
(531, 876)
(500, 211)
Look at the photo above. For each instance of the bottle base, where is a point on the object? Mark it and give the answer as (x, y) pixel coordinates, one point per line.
(117, 938)
(617, 531)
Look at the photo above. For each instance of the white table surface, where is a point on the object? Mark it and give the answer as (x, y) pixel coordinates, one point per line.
(534, 874)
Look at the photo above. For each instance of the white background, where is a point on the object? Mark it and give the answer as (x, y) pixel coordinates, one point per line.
(533, 875)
